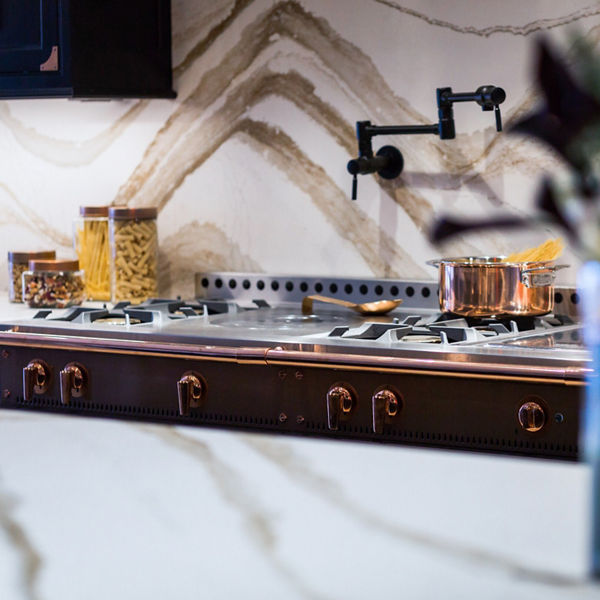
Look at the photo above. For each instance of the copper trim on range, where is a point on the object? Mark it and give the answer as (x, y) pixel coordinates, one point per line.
(146, 348)
(280, 357)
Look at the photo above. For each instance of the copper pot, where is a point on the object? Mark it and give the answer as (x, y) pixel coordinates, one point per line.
(486, 286)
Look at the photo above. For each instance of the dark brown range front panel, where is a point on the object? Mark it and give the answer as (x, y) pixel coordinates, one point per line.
(451, 410)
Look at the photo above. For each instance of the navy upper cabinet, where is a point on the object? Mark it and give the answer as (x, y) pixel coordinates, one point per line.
(28, 35)
(85, 48)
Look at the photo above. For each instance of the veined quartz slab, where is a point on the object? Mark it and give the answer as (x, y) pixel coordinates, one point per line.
(101, 509)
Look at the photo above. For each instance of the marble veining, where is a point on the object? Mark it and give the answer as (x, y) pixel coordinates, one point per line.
(68, 153)
(30, 560)
(259, 524)
(192, 25)
(522, 30)
(19, 213)
(199, 244)
(102, 508)
(297, 470)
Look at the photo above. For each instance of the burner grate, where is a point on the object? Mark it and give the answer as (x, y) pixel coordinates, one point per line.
(445, 329)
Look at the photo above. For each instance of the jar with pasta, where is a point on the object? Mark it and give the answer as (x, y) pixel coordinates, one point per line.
(18, 263)
(53, 284)
(134, 253)
(92, 247)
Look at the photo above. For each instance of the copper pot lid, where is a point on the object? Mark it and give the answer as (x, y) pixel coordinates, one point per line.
(53, 265)
(25, 257)
(121, 213)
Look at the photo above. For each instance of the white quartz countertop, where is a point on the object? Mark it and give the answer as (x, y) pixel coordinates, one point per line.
(98, 509)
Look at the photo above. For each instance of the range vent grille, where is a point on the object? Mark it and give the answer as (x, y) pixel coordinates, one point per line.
(421, 438)
(287, 288)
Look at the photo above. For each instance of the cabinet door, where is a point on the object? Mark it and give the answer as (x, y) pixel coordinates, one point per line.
(29, 34)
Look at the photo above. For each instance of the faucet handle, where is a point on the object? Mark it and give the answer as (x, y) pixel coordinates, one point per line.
(489, 98)
(387, 163)
(354, 187)
(498, 118)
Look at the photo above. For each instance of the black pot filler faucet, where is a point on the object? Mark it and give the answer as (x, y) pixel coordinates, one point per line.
(388, 161)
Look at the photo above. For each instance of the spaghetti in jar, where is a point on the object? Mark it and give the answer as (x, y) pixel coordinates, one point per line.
(93, 251)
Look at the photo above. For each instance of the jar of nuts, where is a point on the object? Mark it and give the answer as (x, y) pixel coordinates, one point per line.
(17, 265)
(90, 238)
(53, 284)
(133, 254)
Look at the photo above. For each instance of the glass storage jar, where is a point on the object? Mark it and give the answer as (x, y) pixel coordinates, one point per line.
(53, 284)
(133, 253)
(91, 244)
(18, 263)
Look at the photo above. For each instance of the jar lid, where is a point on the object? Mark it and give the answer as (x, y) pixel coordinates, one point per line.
(93, 211)
(119, 213)
(53, 265)
(25, 257)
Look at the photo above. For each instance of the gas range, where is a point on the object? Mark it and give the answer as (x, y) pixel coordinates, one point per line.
(242, 354)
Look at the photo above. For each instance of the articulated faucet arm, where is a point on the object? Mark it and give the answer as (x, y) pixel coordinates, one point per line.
(388, 162)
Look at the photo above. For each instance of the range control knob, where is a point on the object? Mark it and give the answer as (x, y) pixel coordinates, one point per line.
(532, 416)
(73, 382)
(190, 389)
(386, 404)
(340, 402)
(36, 379)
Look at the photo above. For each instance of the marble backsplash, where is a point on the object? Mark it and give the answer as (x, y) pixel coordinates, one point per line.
(248, 165)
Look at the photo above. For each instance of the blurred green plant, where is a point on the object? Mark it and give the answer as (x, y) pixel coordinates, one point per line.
(568, 120)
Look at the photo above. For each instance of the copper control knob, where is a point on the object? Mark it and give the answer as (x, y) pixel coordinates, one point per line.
(532, 416)
(36, 379)
(340, 402)
(190, 389)
(385, 404)
(73, 382)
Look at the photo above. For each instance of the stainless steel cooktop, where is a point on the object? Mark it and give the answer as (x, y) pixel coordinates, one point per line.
(414, 332)
(231, 351)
